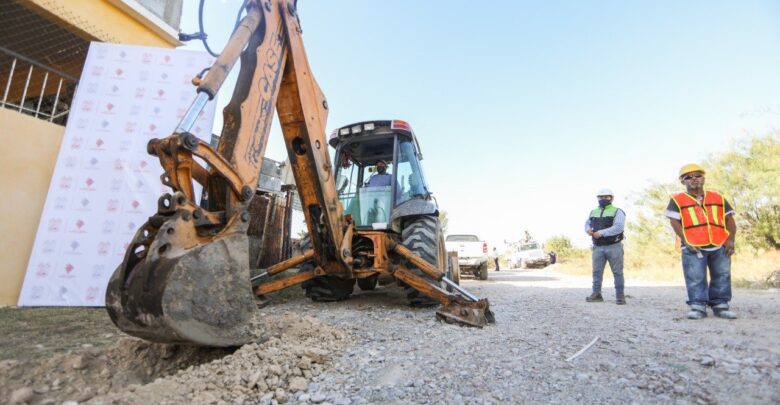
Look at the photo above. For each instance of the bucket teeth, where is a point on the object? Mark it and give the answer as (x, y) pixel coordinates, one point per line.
(476, 314)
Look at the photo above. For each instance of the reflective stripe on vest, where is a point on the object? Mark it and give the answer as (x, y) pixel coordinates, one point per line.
(703, 224)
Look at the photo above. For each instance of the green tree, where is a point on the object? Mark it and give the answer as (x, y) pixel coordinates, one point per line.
(443, 221)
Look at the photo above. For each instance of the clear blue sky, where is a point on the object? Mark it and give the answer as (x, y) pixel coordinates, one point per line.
(525, 109)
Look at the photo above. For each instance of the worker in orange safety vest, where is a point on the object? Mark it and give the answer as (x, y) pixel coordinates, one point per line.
(704, 222)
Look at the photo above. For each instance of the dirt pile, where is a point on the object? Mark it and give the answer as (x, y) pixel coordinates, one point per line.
(290, 350)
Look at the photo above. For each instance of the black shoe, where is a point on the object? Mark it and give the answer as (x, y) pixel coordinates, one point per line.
(620, 300)
(595, 297)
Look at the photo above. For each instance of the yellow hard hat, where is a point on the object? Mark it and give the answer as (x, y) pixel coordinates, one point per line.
(691, 167)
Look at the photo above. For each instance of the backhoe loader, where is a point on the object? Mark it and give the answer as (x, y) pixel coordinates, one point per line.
(185, 277)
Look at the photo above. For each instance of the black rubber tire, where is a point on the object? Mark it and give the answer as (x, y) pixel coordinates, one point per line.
(368, 283)
(325, 288)
(483, 271)
(328, 289)
(422, 236)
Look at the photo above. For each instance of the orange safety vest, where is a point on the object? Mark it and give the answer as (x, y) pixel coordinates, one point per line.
(703, 224)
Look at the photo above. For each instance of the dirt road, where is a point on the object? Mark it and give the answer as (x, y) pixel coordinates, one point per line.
(374, 349)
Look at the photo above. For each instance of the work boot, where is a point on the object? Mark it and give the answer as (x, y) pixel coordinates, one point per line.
(620, 299)
(697, 312)
(723, 311)
(595, 297)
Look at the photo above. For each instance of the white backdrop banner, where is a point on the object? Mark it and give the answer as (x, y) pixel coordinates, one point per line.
(105, 185)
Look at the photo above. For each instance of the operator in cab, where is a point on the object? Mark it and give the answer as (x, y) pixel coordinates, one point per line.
(381, 178)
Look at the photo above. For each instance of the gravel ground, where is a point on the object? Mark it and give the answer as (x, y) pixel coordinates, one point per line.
(372, 348)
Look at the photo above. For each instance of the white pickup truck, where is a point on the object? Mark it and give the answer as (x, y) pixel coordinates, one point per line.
(472, 254)
(528, 254)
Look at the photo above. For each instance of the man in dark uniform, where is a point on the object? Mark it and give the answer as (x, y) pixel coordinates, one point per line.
(605, 226)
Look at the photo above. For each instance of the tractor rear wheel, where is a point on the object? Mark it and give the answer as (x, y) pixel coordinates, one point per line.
(483, 271)
(422, 236)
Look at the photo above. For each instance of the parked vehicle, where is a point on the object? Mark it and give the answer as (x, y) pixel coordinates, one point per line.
(472, 254)
(529, 254)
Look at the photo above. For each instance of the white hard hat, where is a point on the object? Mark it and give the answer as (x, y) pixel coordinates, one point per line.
(605, 191)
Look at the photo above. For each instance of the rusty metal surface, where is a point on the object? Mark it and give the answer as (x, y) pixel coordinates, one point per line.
(269, 233)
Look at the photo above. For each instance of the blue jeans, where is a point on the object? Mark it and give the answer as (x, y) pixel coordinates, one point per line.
(695, 271)
(614, 255)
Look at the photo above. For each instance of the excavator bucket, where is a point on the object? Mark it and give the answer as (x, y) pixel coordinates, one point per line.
(198, 296)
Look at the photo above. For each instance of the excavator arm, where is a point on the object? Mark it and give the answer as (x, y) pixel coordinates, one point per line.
(185, 275)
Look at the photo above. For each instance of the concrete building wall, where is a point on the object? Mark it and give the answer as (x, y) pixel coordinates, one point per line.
(30, 148)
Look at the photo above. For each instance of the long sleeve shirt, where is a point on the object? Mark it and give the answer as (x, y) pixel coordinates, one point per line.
(617, 226)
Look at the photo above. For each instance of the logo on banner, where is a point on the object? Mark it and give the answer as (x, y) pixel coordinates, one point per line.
(146, 58)
(84, 205)
(43, 270)
(108, 226)
(69, 269)
(130, 228)
(143, 75)
(92, 293)
(140, 92)
(143, 166)
(60, 203)
(49, 247)
(116, 184)
(130, 127)
(160, 95)
(135, 207)
(54, 225)
(112, 205)
(166, 60)
(102, 52)
(75, 142)
(119, 165)
(79, 226)
(136, 110)
(109, 109)
(97, 270)
(126, 145)
(65, 183)
(103, 248)
(73, 248)
(96, 71)
(87, 105)
(163, 78)
(89, 184)
(37, 293)
(104, 126)
(98, 144)
(151, 129)
(92, 88)
(114, 90)
(70, 162)
(92, 164)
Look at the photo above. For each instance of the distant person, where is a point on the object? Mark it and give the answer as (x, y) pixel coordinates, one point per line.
(495, 258)
(381, 178)
(553, 257)
(605, 227)
(527, 238)
(704, 222)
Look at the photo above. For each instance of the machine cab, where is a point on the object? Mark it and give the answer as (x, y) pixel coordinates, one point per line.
(378, 171)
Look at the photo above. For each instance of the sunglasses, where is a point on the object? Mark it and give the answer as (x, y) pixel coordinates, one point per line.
(692, 176)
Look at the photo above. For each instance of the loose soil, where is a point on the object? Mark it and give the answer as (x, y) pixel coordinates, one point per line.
(372, 348)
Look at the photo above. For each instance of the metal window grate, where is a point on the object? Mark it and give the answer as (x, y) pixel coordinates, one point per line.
(40, 62)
